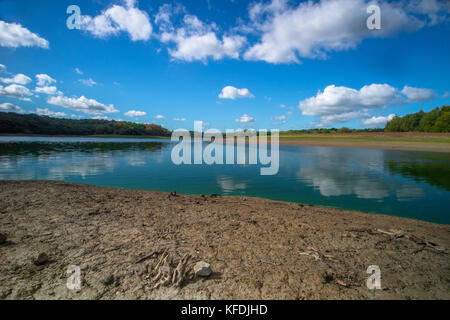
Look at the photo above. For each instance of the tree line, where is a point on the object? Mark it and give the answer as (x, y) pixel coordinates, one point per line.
(436, 120)
(34, 124)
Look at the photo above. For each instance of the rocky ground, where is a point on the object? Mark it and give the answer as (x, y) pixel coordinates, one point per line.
(144, 245)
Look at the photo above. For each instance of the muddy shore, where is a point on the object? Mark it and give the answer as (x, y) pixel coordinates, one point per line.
(124, 240)
(407, 141)
(386, 145)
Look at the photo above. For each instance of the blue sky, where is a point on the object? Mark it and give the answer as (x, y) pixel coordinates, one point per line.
(262, 64)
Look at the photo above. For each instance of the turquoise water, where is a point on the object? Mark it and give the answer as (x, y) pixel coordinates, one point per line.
(402, 183)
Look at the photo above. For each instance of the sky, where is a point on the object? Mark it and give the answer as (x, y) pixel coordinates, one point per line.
(231, 64)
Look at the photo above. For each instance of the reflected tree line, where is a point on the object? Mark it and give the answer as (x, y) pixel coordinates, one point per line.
(48, 148)
(433, 173)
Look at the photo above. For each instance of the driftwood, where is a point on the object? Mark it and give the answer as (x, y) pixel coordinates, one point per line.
(166, 275)
(397, 234)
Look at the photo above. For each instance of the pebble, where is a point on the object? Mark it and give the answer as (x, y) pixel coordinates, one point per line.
(108, 280)
(2, 238)
(202, 269)
(40, 258)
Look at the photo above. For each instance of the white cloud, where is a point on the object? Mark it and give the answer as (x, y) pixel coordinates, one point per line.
(378, 122)
(159, 116)
(88, 82)
(245, 119)
(179, 119)
(195, 40)
(44, 79)
(230, 92)
(50, 90)
(78, 71)
(435, 10)
(328, 120)
(18, 78)
(83, 104)
(16, 91)
(118, 19)
(101, 118)
(341, 104)
(50, 113)
(418, 94)
(343, 99)
(312, 29)
(2, 67)
(134, 113)
(14, 35)
(9, 107)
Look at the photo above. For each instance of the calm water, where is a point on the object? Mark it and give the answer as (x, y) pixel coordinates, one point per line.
(402, 183)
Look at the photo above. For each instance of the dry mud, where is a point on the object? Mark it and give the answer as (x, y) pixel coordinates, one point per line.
(126, 241)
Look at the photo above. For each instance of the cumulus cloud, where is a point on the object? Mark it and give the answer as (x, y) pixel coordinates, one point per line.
(119, 18)
(343, 99)
(50, 90)
(337, 104)
(49, 113)
(16, 91)
(14, 35)
(418, 94)
(2, 67)
(342, 117)
(82, 104)
(245, 118)
(101, 118)
(44, 79)
(159, 116)
(78, 71)
(9, 107)
(312, 29)
(134, 113)
(436, 11)
(377, 122)
(179, 119)
(18, 78)
(88, 82)
(195, 40)
(230, 92)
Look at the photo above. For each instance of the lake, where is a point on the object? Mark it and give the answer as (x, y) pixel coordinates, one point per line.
(402, 183)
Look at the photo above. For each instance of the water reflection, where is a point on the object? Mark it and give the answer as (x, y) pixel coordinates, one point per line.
(412, 184)
(57, 160)
(410, 192)
(338, 172)
(229, 186)
(436, 174)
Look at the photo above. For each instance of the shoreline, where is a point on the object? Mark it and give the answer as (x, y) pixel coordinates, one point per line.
(400, 141)
(383, 145)
(257, 248)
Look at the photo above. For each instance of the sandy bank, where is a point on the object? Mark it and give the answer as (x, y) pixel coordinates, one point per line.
(388, 145)
(257, 248)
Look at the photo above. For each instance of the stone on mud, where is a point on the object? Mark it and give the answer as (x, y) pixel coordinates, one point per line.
(202, 269)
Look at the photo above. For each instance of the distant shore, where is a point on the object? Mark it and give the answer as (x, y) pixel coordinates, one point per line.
(257, 249)
(408, 141)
